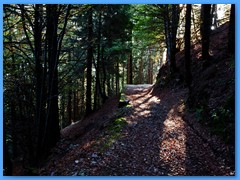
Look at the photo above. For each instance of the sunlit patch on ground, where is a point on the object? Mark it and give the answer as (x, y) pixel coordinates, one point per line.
(173, 143)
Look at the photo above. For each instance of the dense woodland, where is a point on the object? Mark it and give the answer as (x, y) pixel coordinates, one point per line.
(63, 62)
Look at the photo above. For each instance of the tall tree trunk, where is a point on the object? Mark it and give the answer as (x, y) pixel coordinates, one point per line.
(231, 33)
(97, 85)
(174, 27)
(69, 108)
(75, 106)
(104, 78)
(52, 130)
(82, 96)
(117, 77)
(214, 16)
(188, 74)
(129, 69)
(205, 29)
(89, 64)
(62, 111)
(167, 34)
(150, 73)
(40, 81)
(123, 75)
(140, 72)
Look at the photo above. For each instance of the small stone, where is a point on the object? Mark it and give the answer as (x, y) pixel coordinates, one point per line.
(76, 161)
(93, 162)
(94, 155)
(75, 174)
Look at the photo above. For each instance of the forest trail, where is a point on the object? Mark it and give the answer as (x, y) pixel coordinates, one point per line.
(160, 138)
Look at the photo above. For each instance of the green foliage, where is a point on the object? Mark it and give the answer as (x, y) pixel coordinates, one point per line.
(222, 120)
(113, 132)
(122, 97)
(199, 113)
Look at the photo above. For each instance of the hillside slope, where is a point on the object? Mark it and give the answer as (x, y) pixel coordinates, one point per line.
(213, 86)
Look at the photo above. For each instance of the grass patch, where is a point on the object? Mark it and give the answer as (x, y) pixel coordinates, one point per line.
(122, 97)
(111, 133)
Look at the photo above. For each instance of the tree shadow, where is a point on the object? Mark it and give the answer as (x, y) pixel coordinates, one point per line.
(159, 139)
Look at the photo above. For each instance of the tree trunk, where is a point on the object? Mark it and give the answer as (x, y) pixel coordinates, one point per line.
(117, 77)
(104, 78)
(231, 33)
(69, 108)
(129, 70)
(205, 29)
(188, 74)
(150, 73)
(40, 81)
(62, 111)
(75, 106)
(140, 72)
(174, 27)
(52, 130)
(97, 84)
(167, 34)
(89, 64)
(214, 16)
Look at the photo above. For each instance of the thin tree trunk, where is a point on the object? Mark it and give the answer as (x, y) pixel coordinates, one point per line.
(205, 29)
(140, 73)
(117, 77)
(188, 74)
(89, 64)
(104, 98)
(75, 106)
(214, 16)
(174, 27)
(97, 84)
(167, 35)
(62, 111)
(129, 70)
(69, 108)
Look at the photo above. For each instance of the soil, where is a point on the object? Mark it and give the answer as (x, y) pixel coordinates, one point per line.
(160, 138)
(160, 134)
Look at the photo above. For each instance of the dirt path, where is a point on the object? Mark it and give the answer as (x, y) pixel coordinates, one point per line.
(160, 138)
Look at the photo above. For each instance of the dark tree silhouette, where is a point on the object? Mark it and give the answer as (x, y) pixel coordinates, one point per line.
(205, 29)
(231, 34)
(89, 63)
(188, 74)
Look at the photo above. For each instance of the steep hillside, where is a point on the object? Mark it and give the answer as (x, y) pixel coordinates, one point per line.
(213, 93)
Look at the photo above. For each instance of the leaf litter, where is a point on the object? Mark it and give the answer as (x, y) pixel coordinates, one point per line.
(160, 138)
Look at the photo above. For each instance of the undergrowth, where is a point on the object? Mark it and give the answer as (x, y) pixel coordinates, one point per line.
(221, 120)
(113, 131)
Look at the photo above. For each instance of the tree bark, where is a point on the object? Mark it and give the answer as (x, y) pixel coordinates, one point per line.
(40, 81)
(52, 130)
(174, 27)
(231, 33)
(129, 70)
(69, 108)
(205, 29)
(188, 74)
(97, 84)
(89, 64)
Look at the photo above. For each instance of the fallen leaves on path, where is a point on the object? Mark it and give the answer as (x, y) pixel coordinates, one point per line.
(160, 138)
